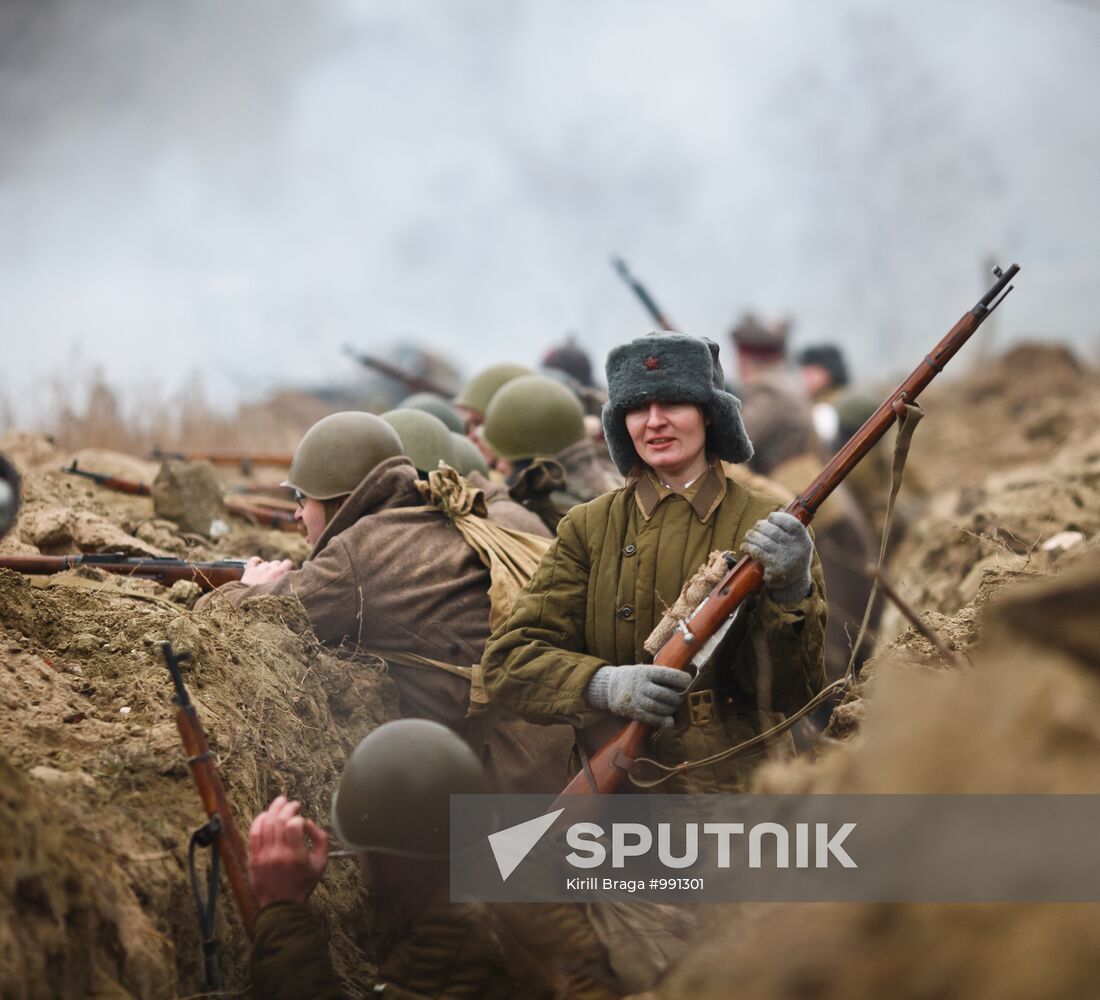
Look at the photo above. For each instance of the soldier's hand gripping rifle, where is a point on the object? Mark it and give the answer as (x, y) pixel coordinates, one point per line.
(608, 769)
(219, 832)
(654, 310)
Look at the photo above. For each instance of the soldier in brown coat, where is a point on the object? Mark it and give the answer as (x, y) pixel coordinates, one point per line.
(389, 575)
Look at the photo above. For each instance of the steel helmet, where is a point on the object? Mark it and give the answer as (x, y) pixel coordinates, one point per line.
(467, 456)
(533, 415)
(477, 393)
(424, 438)
(394, 793)
(338, 451)
(437, 406)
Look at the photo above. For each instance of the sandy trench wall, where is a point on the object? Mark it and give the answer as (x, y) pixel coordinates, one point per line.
(95, 899)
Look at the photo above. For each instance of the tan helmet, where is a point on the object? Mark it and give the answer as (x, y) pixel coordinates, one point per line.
(533, 415)
(477, 393)
(394, 793)
(437, 406)
(467, 456)
(424, 438)
(338, 451)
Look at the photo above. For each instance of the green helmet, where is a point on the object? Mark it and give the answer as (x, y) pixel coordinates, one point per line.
(437, 406)
(338, 451)
(477, 393)
(424, 438)
(394, 793)
(467, 456)
(533, 415)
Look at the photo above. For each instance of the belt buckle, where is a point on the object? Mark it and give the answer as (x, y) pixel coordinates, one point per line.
(701, 707)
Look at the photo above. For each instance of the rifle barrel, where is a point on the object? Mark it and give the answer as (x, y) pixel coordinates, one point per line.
(226, 457)
(130, 486)
(208, 575)
(262, 514)
(642, 293)
(411, 381)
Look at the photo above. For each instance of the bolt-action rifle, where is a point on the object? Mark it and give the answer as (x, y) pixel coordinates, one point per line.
(410, 380)
(219, 832)
(260, 513)
(245, 459)
(207, 575)
(651, 307)
(699, 634)
(130, 486)
(271, 512)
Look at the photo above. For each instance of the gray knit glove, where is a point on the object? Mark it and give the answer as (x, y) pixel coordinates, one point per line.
(782, 544)
(638, 691)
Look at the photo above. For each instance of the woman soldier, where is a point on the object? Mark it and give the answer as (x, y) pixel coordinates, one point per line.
(573, 648)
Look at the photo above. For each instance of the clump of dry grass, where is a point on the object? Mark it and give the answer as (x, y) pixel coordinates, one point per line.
(96, 414)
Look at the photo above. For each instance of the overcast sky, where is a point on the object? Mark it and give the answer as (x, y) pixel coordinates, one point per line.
(184, 192)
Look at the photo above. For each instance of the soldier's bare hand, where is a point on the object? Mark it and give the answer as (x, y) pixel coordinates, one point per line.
(281, 866)
(258, 571)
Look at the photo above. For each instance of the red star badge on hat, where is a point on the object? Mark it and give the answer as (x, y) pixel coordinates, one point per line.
(652, 362)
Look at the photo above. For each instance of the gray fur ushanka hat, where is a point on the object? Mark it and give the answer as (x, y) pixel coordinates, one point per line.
(671, 368)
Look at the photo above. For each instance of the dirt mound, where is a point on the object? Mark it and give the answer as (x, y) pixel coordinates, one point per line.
(1017, 410)
(1022, 521)
(65, 514)
(102, 797)
(1024, 720)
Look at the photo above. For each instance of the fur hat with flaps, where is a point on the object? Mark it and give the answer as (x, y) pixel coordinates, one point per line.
(671, 368)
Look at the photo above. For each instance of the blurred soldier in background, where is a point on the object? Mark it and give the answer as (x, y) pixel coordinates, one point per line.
(437, 406)
(474, 399)
(425, 439)
(825, 379)
(572, 359)
(570, 363)
(390, 575)
(535, 427)
(427, 442)
(779, 421)
(838, 412)
(392, 806)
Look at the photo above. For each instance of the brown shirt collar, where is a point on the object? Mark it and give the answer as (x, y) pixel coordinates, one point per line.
(704, 494)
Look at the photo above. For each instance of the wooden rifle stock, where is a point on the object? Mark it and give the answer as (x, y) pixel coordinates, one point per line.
(610, 766)
(226, 837)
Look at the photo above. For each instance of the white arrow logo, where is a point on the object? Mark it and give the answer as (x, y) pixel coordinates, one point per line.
(511, 846)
